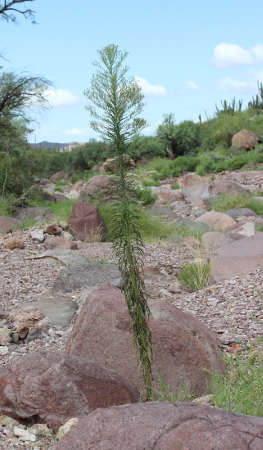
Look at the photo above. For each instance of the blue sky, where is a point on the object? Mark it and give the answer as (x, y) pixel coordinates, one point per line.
(188, 56)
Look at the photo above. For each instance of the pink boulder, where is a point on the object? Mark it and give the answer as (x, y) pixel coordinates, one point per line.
(245, 139)
(86, 220)
(183, 347)
(217, 220)
(164, 426)
(8, 224)
(238, 258)
(52, 388)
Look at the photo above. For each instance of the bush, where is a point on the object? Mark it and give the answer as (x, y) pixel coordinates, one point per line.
(150, 228)
(195, 276)
(240, 390)
(146, 196)
(146, 147)
(225, 202)
(184, 164)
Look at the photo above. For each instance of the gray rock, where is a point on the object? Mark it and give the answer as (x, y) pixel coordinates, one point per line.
(33, 212)
(58, 308)
(87, 274)
(240, 212)
(63, 256)
(37, 235)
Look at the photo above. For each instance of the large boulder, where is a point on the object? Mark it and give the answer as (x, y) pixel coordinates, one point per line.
(86, 274)
(100, 186)
(164, 426)
(8, 224)
(166, 195)
(111, 165)
(85, 221)
(245, 139)
(58, 175)
(183, 347)
(195, 188)
(238, 258)
(34, 212)
(51, 388)
(228, 187)
(217, 220)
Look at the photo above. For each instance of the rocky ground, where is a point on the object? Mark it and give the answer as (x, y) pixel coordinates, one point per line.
(233, 309)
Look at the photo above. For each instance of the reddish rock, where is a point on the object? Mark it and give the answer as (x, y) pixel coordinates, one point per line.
(166, 195)
(77, 186)
(8, 224)
(60, 242)
(52, 388)
(245, 139)
(217, 220)
(26, 320)
(228, 187)
(85, 220)
(58, 175)
(164, 426)
(182, 346)
(111, 165)
(13, 243)
(99, 186)
(238, 258)
(53, 229)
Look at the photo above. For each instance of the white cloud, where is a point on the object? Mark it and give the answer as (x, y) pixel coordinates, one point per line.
(77, 131)
(229, 83)
(226, 55)
(257, 51)
(59, 97)
(150, 89)
(191, 85)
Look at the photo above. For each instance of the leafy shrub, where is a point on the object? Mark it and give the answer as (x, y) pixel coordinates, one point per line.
(150, 228)
(240, 390)
(184, 164)
(195, 276)
(146, 196)
(146, 147)
(225, 202)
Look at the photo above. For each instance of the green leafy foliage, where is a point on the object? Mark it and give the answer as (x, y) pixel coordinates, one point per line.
(115, 103)
(225, 202)
(195, 276)
(240, 390)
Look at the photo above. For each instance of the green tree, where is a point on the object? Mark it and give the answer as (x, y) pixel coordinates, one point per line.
(115, 103)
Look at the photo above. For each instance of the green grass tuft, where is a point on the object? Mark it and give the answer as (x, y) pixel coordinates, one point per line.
(195, 276)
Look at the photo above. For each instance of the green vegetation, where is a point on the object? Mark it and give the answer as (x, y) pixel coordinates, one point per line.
(195, 276)
(240, 390)
(115, 103)
(226, 202)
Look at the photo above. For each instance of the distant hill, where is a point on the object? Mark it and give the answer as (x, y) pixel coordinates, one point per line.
(57, 145)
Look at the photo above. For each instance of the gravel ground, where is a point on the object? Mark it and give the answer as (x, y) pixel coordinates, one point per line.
(233, 309)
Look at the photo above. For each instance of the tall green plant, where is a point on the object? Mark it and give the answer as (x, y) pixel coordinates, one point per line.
(115, 102)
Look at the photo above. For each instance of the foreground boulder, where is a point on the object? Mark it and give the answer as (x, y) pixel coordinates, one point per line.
(245, 139)
(238, 258)
(85, 221)
(164, 426)
(51, 388)
(217, 220)
(183, 347)
(8, 224)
